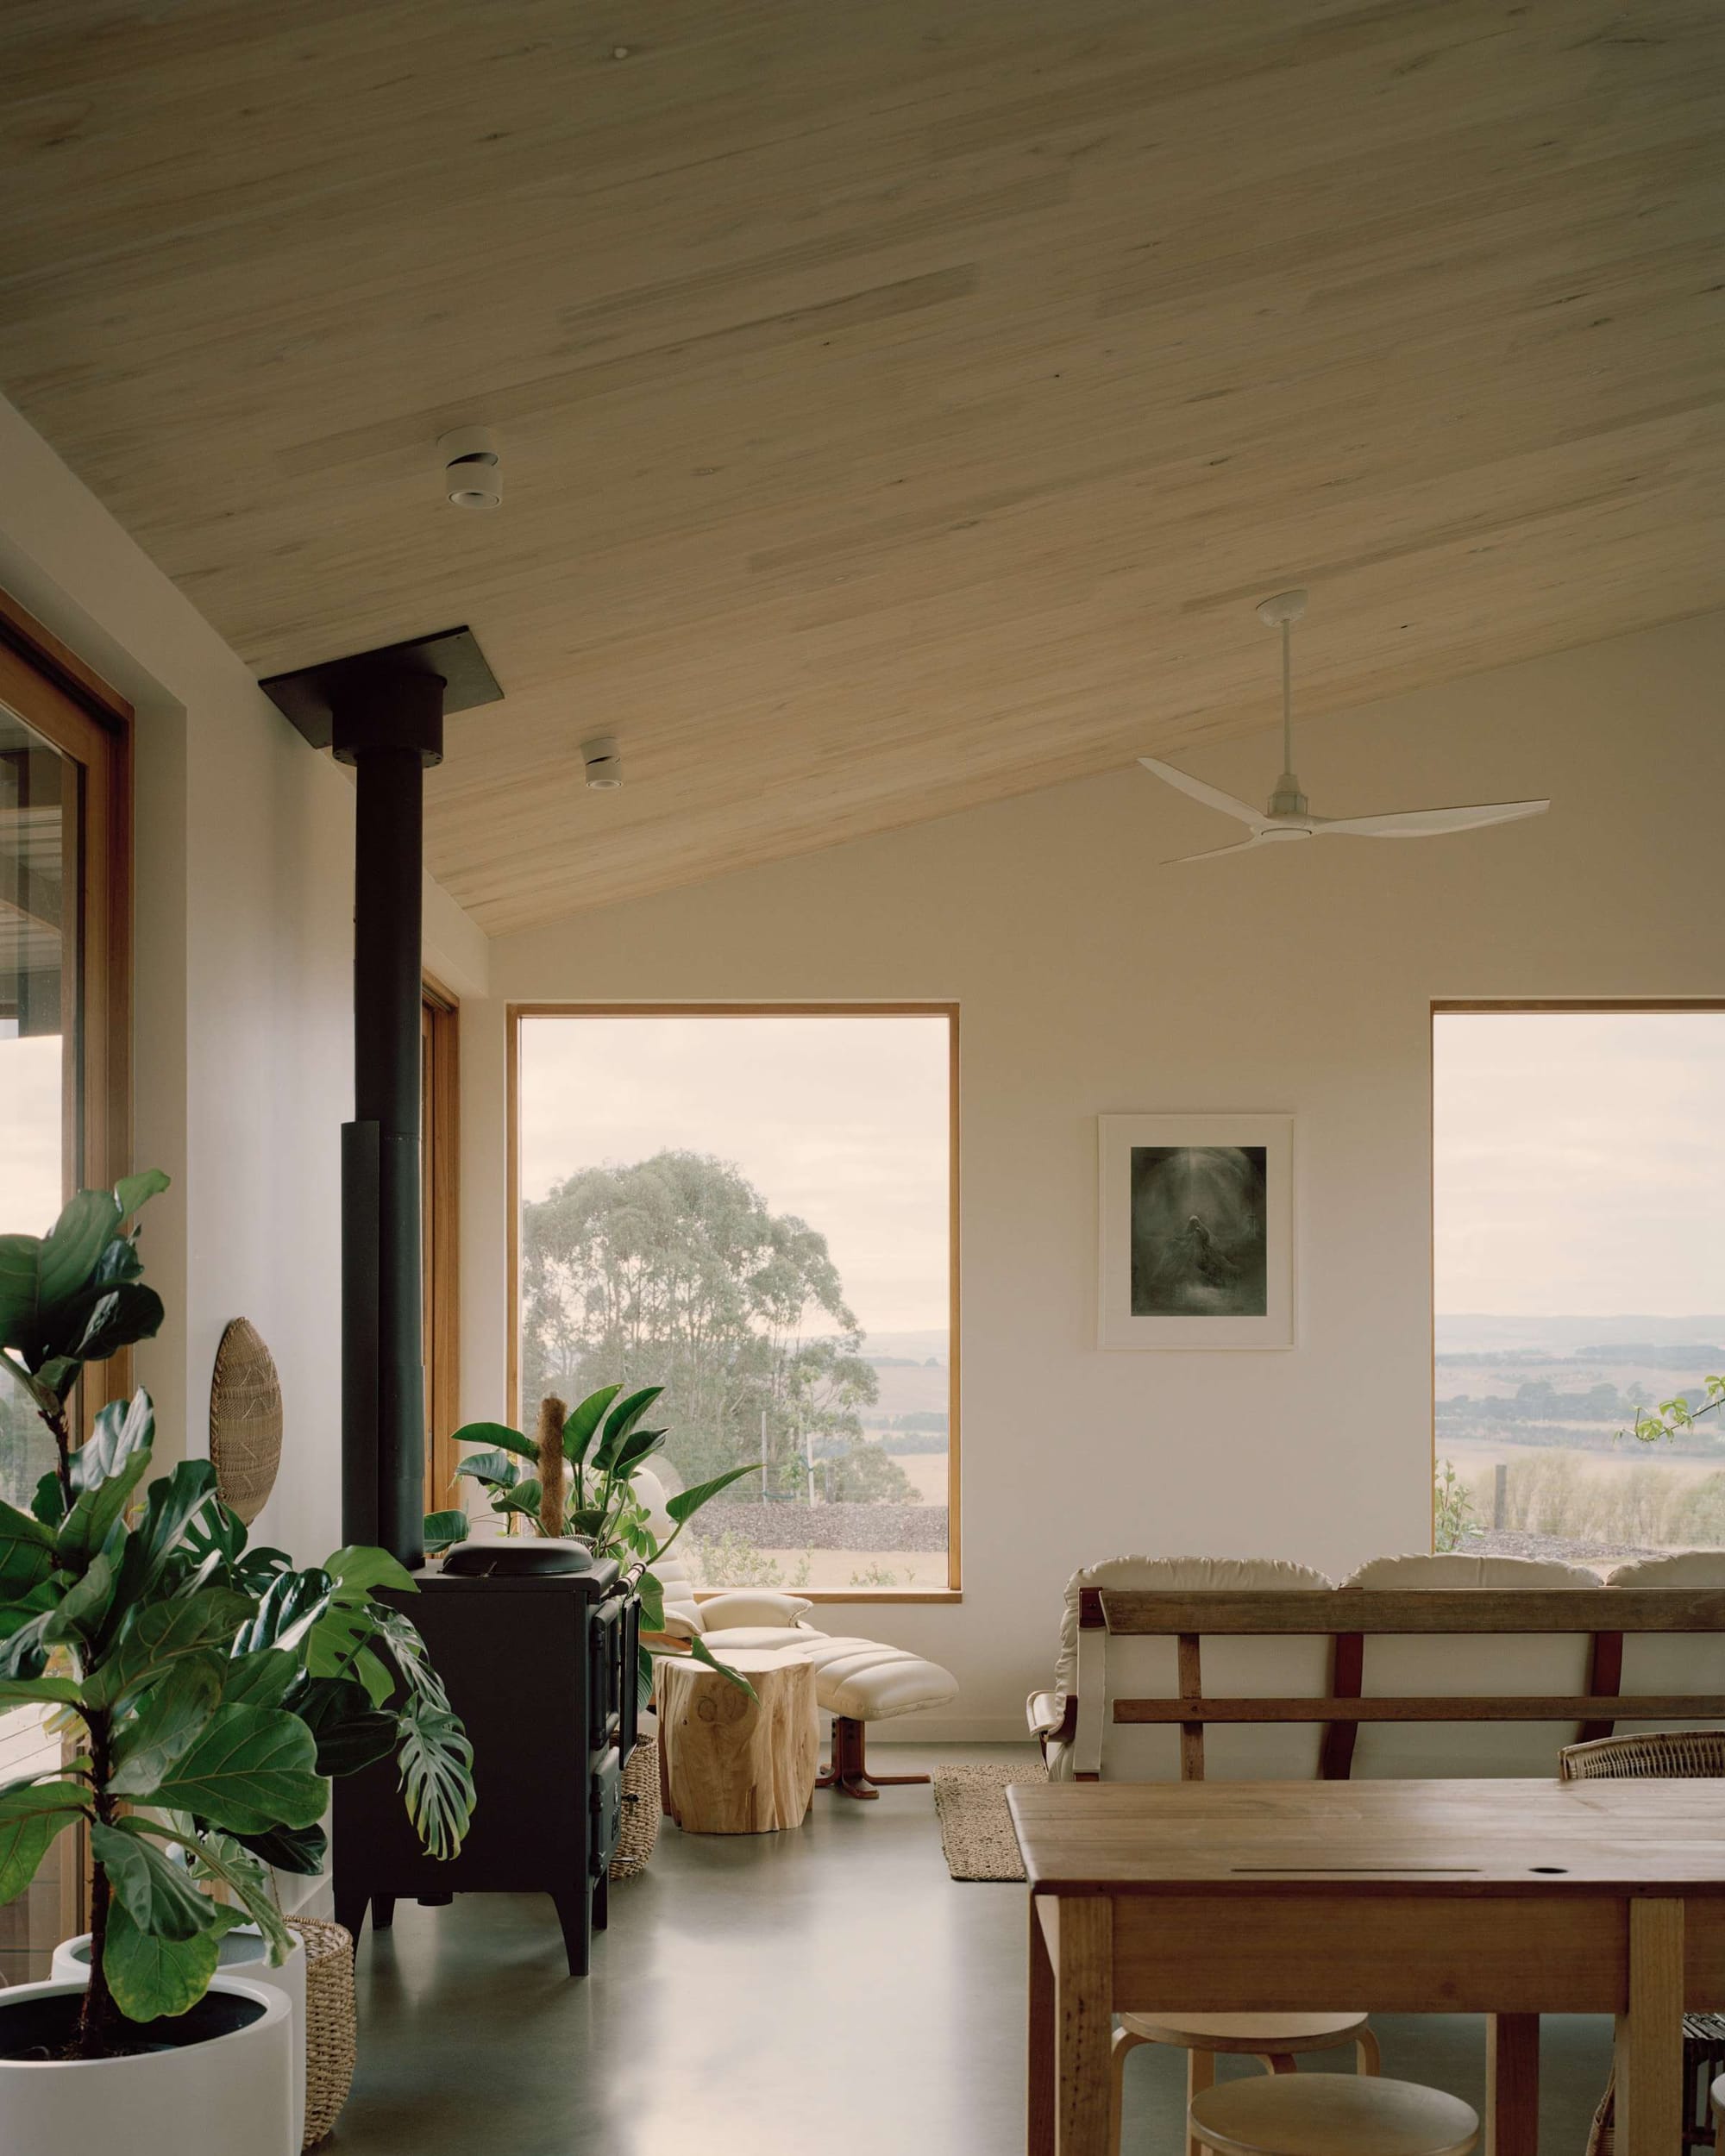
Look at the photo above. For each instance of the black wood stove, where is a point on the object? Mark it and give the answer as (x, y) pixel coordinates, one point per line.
(541, 1669)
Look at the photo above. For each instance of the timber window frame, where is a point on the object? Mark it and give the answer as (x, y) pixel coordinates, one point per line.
(514, 1012)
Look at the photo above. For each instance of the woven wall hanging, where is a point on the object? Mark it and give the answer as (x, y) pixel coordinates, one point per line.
(245, 1419)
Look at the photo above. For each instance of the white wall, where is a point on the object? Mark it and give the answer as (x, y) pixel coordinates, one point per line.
(244, 1055)
(1091, 979)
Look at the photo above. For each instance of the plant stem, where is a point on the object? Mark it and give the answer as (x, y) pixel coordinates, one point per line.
(62, 1438)
(96, 2022)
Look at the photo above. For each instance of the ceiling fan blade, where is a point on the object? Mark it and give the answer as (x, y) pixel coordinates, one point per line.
(1241, 846)
(1212, 796)
(1431, 823)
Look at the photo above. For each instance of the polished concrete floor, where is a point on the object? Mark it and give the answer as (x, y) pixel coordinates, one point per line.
(782, 1994)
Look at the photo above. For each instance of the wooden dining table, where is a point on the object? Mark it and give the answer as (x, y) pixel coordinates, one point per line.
(1507, 1898)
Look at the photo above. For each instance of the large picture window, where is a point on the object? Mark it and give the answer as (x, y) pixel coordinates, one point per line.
(755, 1209)
(1579, 1279)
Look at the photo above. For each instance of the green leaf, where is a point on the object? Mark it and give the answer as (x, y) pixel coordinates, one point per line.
(301, 1850)
(88, 1223)
(123, 1428)
(48, 1504)
(289, 1610)
(497, 1436)
(120, 1260)
(639, 1446)
(56, 1375)
(651, 1591)
(495, 1469)
(24, 1843)
(91, 1518)
(27, 1551)
(20, 1264)
(583, 1421)
(436, 1777)
(53, 1801)
(442, 1530)
(156, 1892)
(132, 1192)
(30, 1817)
(619, 1422)
(702, 1652)
(251, 1768)
(260, 1679)
(686, 1502)
(338, 1637)
(358, 1568)
(159, 1635)
(349, 1731)
(25, 1691)
(173, 1714)
(173, 1501)
(223, 1857)
(151, 1977)
(524, 1498)
(378, 1681)
(644, 1679)
(83, 1606)
(120, 1317)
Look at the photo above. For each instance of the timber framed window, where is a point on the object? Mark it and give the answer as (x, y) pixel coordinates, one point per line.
(1578, 1281)
(756, 1206)
(64, 1076)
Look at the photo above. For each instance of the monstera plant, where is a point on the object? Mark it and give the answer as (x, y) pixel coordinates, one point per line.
(207, 1690)
(587, 1461)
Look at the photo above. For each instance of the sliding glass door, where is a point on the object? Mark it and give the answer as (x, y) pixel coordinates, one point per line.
(62, 1089)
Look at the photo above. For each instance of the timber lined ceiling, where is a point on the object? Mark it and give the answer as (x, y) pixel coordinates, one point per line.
(902, 403)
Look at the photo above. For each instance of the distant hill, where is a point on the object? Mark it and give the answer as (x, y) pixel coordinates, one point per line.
(1463, 1332)
(906, 1347)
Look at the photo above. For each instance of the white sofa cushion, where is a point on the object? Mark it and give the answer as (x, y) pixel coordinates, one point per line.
(870, 1681)
(751, 1606)
(1289, 1668)
(1672, 1661)
(759, 1638)
(1461, 1666)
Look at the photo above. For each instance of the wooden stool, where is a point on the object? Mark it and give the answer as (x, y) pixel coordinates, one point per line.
(729, 1765)
(1274, 2039)
(1331, 2115)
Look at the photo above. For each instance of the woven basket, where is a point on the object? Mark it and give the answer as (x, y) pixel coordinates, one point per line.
(329, 2022)
(640, 1811)
(245, 1420)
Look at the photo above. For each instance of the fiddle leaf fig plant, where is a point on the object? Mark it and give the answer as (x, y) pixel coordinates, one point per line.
(207, 1690)
(603, 1447)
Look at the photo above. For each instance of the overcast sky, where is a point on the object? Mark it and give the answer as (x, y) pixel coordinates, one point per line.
(1580, 1162)
(29, 1134)
(841, 1121)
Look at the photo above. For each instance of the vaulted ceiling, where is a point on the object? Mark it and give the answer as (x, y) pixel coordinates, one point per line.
(903, 404)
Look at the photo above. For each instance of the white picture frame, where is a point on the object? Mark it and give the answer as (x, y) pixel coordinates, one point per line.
(1168, 1281)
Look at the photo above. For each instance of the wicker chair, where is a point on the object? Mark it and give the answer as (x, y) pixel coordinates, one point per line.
(1690, 1754)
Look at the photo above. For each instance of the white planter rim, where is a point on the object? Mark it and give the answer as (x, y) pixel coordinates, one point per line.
(275, 2005)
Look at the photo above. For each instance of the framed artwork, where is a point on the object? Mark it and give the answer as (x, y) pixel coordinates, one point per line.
(1196, 1214)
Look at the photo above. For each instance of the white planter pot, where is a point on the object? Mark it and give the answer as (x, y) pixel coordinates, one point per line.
(245, 1952)
(231, 2096)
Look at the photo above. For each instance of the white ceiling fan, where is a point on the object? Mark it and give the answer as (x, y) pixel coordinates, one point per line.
(1287, 815)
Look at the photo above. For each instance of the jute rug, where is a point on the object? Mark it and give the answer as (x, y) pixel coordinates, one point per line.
(976, 1828)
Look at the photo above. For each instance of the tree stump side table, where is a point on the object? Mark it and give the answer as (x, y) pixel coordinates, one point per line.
(729, 1765)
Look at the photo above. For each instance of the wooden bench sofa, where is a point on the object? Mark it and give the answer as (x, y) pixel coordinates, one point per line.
(1174, 1669)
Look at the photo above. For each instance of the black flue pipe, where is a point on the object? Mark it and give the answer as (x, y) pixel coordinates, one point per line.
(382, 712)
(388, 723)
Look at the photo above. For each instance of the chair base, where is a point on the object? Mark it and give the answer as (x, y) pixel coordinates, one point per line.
(847, 1771)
